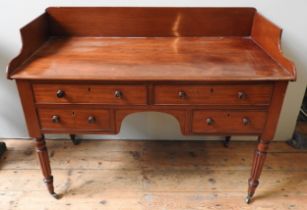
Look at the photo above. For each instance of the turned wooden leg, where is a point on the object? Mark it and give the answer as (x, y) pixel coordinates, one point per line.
(258, 162)
(42, 154)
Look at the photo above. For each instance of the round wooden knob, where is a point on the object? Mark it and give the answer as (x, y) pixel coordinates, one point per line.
(245, 121)
(91, 119)
(182, 94)
(242, 95)
(55, 119)
(209, 121)
(60, 94)
(118, 94)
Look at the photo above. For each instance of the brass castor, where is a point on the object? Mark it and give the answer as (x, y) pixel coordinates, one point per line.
(2, 148)
(248, 199)
(226, 141)
(56, 196)
(74, 140)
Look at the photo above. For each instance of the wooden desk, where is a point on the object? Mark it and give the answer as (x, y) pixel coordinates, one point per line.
(218, 71)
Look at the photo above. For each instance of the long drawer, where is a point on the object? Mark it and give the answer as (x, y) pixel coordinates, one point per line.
(62, 119)
(94, 94)
(213, 94)
(228, 122)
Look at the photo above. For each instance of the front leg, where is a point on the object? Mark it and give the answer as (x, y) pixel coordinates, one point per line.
(43, 158)
(266, 137)
(258, 162)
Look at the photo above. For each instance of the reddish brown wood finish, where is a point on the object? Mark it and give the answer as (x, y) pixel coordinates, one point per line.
(228, 122)
(151, 59)
(150, 22)
(33, 36)
(90, 94)
(113, 62)
(268, 36)
(65, 119)
(213, 94)
(266, 136)
(178, 22)
(101, 120)
(27, 101)
(43, 158)
(75, 119)
(274, 111)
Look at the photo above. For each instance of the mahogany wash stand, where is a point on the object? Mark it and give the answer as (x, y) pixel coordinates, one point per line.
(218, 71)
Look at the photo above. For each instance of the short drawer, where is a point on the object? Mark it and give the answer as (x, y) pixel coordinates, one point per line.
(91, 94)
(213, 94)
(228, 122)
(93, 120)
(56, 119)
(81, 120)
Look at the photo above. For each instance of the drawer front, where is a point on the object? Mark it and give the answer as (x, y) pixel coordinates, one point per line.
(93, 120)
(81, 120)
(228, 122)
(213, 94)
(56, 119)
(92, 94)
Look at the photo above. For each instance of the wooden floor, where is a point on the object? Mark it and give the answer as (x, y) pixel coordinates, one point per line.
(158, 175)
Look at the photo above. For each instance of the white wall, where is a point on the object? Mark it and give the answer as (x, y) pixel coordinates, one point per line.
(291, 15)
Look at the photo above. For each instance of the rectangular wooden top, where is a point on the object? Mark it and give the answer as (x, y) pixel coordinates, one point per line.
(151, 59)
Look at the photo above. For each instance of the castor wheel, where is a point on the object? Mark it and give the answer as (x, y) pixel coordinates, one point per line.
(74, 140)
(226, 141)
(56, 196)
(248, 199)
(2, 148)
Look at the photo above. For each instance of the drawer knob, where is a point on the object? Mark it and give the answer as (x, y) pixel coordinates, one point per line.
(209, 121)
(182, 94)
(118, 94)
(242, 95)
(60, 94)
(55, 119)
(91, 119)
(245, 121)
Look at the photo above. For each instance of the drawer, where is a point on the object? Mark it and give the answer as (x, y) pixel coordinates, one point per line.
(228, 122)
(213, 94)
(56, 119)
(92, 94)
(88, 120)
(93, 120)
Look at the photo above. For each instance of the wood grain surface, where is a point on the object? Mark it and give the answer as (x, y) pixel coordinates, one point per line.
(226, 121)
(33, 36)
(90, 94)
(268, 36)
(76, 119)
(150, 22)
(140, 22)
(234, 94)
(149, 59)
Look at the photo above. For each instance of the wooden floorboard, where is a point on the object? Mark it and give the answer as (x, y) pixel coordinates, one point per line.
(158, 175)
